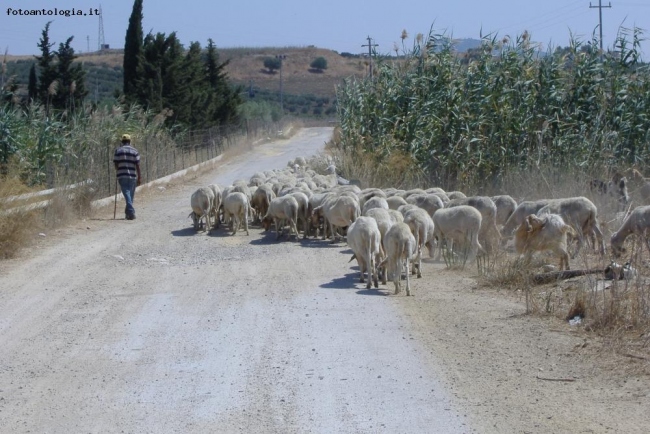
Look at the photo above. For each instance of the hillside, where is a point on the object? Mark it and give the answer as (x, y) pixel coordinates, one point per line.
(245, 68)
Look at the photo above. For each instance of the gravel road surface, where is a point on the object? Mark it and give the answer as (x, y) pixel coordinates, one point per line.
(145, 326)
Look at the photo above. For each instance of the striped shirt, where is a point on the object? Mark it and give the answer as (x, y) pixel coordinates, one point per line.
(127, 158)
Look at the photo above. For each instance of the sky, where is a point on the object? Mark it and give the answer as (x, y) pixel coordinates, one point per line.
(340, 25)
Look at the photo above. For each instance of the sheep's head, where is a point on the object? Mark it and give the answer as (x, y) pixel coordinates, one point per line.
(617, 250)
(266, 223)
(315, 216)
(534, 223)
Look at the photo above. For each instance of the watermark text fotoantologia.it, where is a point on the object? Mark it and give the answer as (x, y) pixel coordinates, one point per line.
(54, 12)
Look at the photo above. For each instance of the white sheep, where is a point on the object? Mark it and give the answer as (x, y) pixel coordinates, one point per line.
(374, 202)
(545, 233)
(303, 210)
(460, 224)
(281, 209)
(637, 223)
(236, 209)
(400, 246)
(216, 204)
(201, 202)
(456, 195)
(506, 205)
(262, 197)
(384, 223)
(489, 234)
(364, 240)
(337, 211)
(396, 216)
(523, 210)
(315, 201)
(581, 214)
(422, 226)
(428, 202)
(394, 202)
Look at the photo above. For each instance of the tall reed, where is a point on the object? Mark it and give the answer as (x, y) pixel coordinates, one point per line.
(502, 107)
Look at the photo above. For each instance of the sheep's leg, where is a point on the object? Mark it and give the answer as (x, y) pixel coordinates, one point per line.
(599, 238)
(382, 269)
(372, 269)
(332, 233)
(375, 270)
(419, 263)
(305, 228)
(294, 227)
(277, 228)
(397, 273)
(246, 226)
(408, 281)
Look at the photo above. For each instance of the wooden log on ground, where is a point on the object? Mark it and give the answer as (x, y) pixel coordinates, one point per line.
(553, 276)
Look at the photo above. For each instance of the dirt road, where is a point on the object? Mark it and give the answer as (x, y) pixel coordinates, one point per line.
(148, 327)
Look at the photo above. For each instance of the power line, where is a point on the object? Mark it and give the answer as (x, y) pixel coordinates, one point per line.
(541, 19)
(600, 19)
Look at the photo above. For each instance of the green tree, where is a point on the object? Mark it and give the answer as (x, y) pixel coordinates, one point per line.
(272, 63)
(71, 79)
(319, 63)
(133, 50)
(32, 87)
(224, 100)
(46, 65)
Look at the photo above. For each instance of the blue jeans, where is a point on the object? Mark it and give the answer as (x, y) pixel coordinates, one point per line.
(128, 190)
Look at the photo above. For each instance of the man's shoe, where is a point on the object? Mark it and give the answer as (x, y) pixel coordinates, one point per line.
(130, 217)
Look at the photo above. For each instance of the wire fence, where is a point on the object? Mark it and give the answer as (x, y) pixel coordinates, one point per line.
(159, 155)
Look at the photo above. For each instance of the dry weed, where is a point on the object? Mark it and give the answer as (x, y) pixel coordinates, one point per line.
(17, 229)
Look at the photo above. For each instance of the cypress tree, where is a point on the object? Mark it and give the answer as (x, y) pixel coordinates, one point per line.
(45, 64)
(133, 50)
(32, 87)
(224, 99)
(71, 78)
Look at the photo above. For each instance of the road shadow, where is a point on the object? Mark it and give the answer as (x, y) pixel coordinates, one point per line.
(269, 238)
(223, 232)
(374, 291)
(346, 282)
(319, 243)
(185, 232)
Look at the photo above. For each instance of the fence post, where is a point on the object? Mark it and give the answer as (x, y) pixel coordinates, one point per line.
(146, 160)
(108, 166)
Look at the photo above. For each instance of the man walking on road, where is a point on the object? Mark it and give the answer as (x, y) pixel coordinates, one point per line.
(127, 168)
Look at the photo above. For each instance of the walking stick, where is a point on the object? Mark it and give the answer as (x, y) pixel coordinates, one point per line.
(115, 208)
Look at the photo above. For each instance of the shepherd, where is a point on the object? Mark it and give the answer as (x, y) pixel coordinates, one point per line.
(127, 168)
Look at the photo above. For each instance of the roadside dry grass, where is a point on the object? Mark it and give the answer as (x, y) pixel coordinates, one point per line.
(19, 228)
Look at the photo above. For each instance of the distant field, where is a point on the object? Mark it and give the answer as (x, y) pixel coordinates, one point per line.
(246, 67)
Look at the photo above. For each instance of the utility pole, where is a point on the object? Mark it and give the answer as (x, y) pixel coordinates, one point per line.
(281, 57)
(370, 46)
(600, 20)
(100, 34)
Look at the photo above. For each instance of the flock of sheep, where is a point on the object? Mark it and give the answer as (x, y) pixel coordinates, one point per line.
(387, 229)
